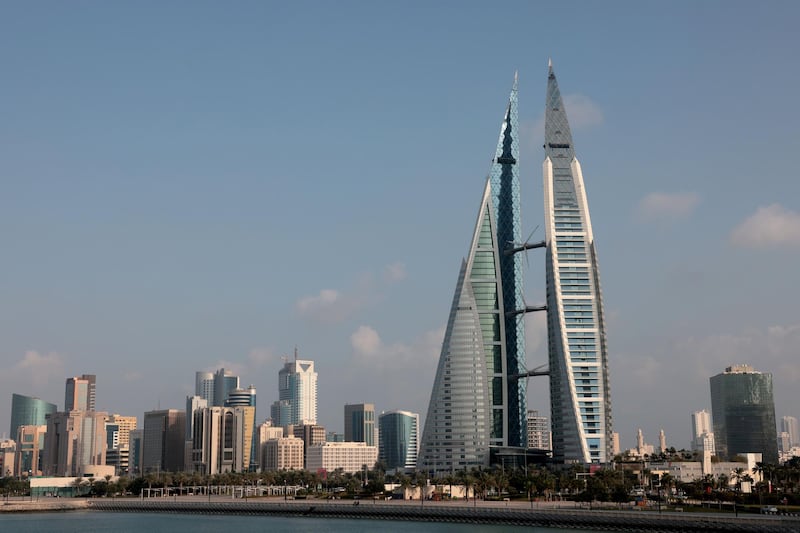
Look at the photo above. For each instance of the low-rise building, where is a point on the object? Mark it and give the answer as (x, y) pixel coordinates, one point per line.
(351, 457)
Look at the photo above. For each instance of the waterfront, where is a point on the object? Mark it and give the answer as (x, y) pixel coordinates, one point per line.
(90, 522)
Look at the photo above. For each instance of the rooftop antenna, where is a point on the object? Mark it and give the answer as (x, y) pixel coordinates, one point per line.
(295, 352)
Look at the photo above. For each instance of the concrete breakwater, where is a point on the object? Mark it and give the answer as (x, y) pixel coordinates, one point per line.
(631, 521)
(43, 506)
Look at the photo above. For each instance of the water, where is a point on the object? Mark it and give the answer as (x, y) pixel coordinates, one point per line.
(94, 521)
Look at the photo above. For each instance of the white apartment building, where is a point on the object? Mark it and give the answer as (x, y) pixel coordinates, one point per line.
(349, 456)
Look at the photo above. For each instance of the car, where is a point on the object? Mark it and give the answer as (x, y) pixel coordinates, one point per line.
(769, 510)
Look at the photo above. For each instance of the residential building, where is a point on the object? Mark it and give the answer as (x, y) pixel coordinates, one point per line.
(284, 453)
(743, 413)
(539, 435)
(580, 400)
(398, 440)
(351, 457)
(310, 434)
(702, 432)
(790, 426)
(266, 431)
(28, 411)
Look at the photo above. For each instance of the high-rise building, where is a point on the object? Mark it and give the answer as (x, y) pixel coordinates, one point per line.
(789, 425)
(224, 383)
(28, 411)
(80, 393)
(538, 431)
(163, 441)
(478, 398)
(241, 397)
(398, 440)
(743, 411)
(125, 424)
(74, 441)
(297, 394)
(311, 434)
(30, 446)
(702, 432)
(359, 423)
(135, 452)
(193, 403)
(222, 439)
(580, 401)
(204, 386)
(283, 453)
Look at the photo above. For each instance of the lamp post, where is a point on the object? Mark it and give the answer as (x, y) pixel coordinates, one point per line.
(285, 496)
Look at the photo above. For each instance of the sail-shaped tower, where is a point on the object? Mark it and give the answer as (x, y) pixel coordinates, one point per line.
(474, 404)
(580, 400)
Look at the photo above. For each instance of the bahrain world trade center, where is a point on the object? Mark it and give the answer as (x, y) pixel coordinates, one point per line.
(478, 402)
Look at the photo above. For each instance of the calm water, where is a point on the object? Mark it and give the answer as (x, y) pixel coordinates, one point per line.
(92, 521)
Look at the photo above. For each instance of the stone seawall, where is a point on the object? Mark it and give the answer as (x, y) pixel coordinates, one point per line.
(631, 521)
(43, 506)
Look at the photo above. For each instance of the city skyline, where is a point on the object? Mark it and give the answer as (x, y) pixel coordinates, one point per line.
(211, 198)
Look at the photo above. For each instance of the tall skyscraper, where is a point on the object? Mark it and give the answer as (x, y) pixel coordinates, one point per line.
(359, 423)
(204, 386)
(478, 399)
(80, 393)
(28, 411)
(297, 394)
(222, 439)
(224, 383)
(163, 444)
(743, 410)
(789, 425)
(74, 440)
(580, 401)
(398, 441)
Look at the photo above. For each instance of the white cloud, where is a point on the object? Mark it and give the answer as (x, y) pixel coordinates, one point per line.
(38, 369)
(310, 304)
(365, 341)
(394, 273)
(769, 226)
(667, 206)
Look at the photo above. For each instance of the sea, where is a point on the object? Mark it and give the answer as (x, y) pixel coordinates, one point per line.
(94, 521)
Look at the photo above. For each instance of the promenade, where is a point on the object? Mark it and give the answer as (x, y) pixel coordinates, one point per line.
(509, 513)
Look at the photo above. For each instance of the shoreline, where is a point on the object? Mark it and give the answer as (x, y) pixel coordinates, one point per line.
(518, 513)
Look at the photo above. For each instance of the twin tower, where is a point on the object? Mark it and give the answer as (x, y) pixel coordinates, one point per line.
(478, 404)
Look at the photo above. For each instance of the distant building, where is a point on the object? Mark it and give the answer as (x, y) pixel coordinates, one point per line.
(743, 412)
(30, 446)
(284, 453)
(204, 386)
(359, 423)
(334, 436)
(351, 457)
(702, 432)
(224, 383)
(539, 436)
(297, 394)
(222, 439)
(310, 434)
(615, 449)
(125, 424)
(266, 431)
(80, 393)
(790, 426)
(135, 452)
(74, 441)
(398, 441)
(163, 441)
(8, 449)
(28, 411)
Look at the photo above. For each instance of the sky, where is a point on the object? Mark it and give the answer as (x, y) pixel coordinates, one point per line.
(191, 185)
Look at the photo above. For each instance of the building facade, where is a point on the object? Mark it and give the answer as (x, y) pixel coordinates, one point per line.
(398, 440)
(351, 457)
(359, 423)
(29, 450)
(222, 439)
(163, 441)
(789, 426)
(478, 399)
(702, 432)
(225, 382)
(204, 386)
(28, 411)
(74, 441)
(580, 400)
(743, 413)
(284, 453)
(80, 393)
(539, 436)
(297, 394)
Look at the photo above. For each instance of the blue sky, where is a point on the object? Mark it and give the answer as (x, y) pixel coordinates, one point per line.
(187, 185)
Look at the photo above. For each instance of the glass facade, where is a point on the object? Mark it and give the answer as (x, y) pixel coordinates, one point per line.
(28, 411)
(398, 440)
(579, 389)
(743, 413)
(474, 404)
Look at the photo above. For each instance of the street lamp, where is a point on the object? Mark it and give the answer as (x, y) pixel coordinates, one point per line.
(285, 497)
